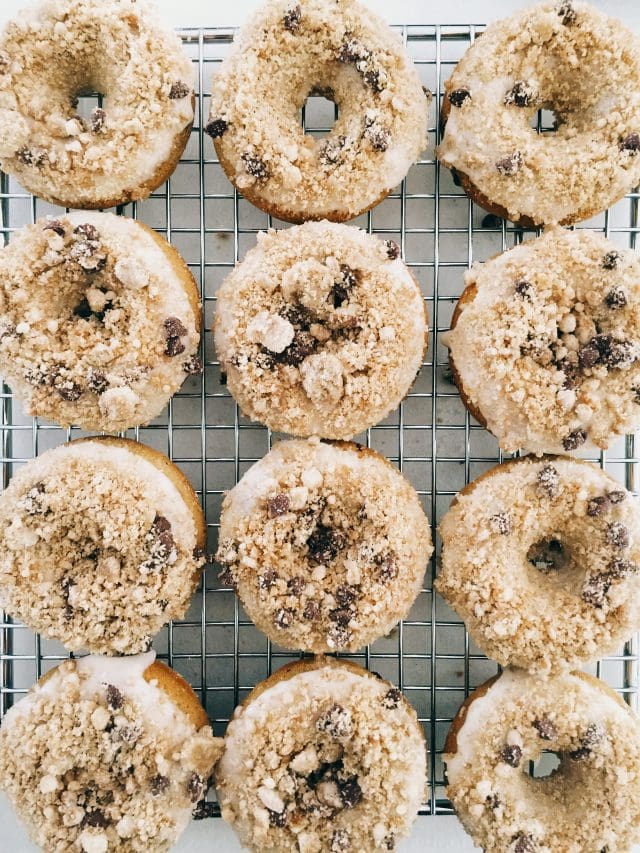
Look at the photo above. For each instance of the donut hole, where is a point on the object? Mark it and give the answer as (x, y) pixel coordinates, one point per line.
(546, 765)
(546, 121)
(549, 555)
(319, 112)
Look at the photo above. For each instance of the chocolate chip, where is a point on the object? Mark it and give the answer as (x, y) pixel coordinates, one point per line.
(341, 616)
(325, 543)
(278, 819)
(458, 97)
(179, 90)
(193, 366)
(545, 728)
(283, 618)
(510, 165)
(521, 95)
(391, 699)
(336, 722)
(341, 290)
(346, 595)
(295, 585)
(598, 505)
(493, 801)
(631, 143)
(593, 736)
(158, 784)
(596, 588)
(524, 843)
(31, 156)
(302, 346)
(97, 119)
(278, 505)
(491, 221)
(501, 523)
(617, 497)
(350, 793)
(54, 225)
(196, 787)
(610, 260)
(511, 754)
(87, 231)
(589, 355)
(97, 381)
(162, 529)
(204, 810)
(340, 841)
(216, 128)
(115, 699)
(299, 316)
(256, 167)
(524, 289)
(374, 80)
(352, 51)
(292, 19)
(174, 331)
(68, 390)
(378, 137)
(389, 842)
(393, 250)
(616, 298)
(575, 439)
(618, 535)
(549, 480)
(311, 611)
(96, 819)
(267, 579)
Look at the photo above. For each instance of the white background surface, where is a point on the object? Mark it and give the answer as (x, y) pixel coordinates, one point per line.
(443, 833)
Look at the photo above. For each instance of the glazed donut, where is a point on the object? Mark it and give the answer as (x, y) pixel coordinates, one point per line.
(562, 56)
(322, 756)
(342, 51)
(107, 754)
(325, 544)
(545, 343)
(541, 558)
(51, 54)
(320, 330)
(589, 804)
(99, 320)
(101, 544)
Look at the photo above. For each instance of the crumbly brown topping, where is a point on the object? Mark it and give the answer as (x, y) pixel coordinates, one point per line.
(321, 330)
(585, 67)
(350, 56)
(116, 47)
(87, 332)
(90, 771)
(597, 743)
(549, 347)
(326, 546)
(88, 555)
(560, 587)
(309, 772)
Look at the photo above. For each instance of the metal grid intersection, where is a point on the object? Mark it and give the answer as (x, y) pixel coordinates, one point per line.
(431, 437)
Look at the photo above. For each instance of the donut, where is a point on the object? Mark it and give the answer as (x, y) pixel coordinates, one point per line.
(325, 544)
(55, 52)
(101, 544)
(107, 753)
(337, 49)
(541, 558)
(99, 321)
(545, 343)
(589, 802)
(566, 57)
(322, 756)
(321, 330)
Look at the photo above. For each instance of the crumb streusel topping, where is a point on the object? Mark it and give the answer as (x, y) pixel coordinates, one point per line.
(97, 548)
(548, 348)
(97, 759)
(591, 801)
(562, 56)
(55, 51)
(321, 330)
(327, 760)
(326, 545)
(96, 325)
(541, 558)
(344, 52)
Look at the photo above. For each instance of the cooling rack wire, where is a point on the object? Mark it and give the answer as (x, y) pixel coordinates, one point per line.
(431, 437)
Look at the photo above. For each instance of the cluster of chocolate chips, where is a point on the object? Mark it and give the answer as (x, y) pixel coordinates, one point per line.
(353, 52)
(160, 544)
(292, 19)
(31, 156)
(522, 94)
(596, 588)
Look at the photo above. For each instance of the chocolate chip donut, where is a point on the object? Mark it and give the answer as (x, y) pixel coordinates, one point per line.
(545, 343)
(51, 54)
(322, 756)
(107, 754)
(566, 57)
(101, 544)
(325, 544)
(590, 802)
(342, 51)
(99, 320)
(541, 558)
(320, 330)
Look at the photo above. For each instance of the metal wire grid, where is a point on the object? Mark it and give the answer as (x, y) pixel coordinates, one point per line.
(431, 437)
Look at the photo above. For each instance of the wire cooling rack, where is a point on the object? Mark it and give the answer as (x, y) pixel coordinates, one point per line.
(431, 437)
